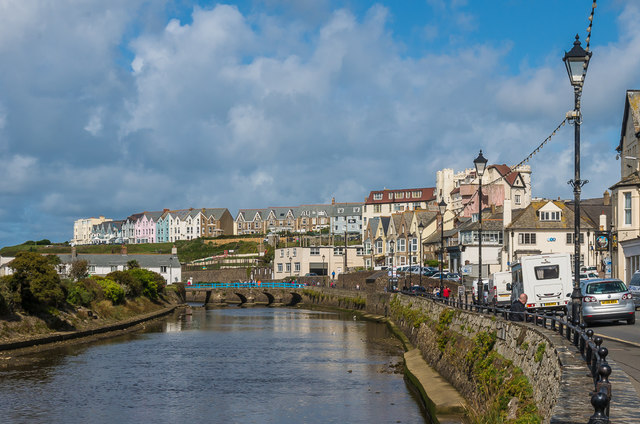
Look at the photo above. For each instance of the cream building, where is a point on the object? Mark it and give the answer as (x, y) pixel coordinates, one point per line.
(322, 260)
(82, 229)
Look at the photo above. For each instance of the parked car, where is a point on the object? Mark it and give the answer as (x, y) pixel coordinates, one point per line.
(417, 290)
(454, 276)
(607, 300)
(588, 275)
(634, 288)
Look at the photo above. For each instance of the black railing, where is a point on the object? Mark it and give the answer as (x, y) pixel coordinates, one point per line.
(590, 346)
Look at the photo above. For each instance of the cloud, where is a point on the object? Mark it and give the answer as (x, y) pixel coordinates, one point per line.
(116, 109)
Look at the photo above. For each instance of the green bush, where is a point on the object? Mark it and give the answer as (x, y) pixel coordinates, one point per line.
(112, 290)
(83, 292)
(152, 282)
(132, 286)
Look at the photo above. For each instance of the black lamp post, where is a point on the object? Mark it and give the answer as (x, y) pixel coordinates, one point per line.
(576, 61)
(480, 163)
(290, 267)
(324, 274)
(392, 245)
(410, 251)
(442, 207)
(420, 230)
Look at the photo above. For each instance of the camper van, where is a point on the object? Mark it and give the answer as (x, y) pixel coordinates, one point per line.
(545, 279)
(499, 294)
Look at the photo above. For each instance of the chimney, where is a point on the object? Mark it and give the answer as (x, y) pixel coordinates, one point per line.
(506, 213)
(333, 201)
(174, 250)
(606, 198)
(123, 250)
(603, 221)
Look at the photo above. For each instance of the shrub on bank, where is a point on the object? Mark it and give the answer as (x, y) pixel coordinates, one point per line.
(112, 290)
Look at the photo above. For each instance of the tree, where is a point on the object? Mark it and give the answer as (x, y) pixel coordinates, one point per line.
(79, 269)
(133, 264)
(35, 280)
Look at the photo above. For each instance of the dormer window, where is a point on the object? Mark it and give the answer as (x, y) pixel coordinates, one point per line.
(377, 196)
(549, 216)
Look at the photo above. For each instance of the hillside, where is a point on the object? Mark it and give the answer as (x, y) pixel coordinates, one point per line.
(188, 250)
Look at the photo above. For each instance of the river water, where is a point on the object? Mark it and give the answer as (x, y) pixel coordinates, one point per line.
(233, 365)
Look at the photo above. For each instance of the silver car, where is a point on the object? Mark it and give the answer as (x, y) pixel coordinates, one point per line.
(634, 288)
(607, 299)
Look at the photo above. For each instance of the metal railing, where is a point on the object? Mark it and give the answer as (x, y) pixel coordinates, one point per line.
(589, 345)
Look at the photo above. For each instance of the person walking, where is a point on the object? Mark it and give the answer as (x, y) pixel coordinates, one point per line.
(518, 308)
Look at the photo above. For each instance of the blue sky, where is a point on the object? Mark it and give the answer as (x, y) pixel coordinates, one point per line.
(113, 108)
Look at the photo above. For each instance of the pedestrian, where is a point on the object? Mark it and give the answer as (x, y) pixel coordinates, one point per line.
(446, 292)
(518, 308)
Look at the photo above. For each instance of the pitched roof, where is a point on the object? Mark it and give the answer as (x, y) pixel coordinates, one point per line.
(426, 194)
(503, 170)
(528, 218)
(631, 180)
(631, 107)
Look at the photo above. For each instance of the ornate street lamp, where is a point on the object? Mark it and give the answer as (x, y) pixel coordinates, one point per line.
(420, 230)
(576, 61)
(481, 164)
(442, 207)
(392, 245)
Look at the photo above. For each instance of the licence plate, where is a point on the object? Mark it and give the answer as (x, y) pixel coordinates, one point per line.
(608, 302)
(550, 304)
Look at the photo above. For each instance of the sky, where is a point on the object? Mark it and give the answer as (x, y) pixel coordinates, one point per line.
(119, 107)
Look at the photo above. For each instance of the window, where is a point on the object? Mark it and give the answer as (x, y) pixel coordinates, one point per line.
(401, 245)
(547, 272)
(399, 196)
(92, 268)
(294, 251)
(416, 194)
(377, 209)
(379, 247)
(550, 216)
(279, 267)
(414, 244)
(282, 253)
(398, 208)
(314, 251)
(288, 267)
(570, 238)
(114, 268)
(518, 200)
(627, 209)
(377, 196)
(526, 238)
(163, 269)
(296, 267)
(359, 251)
(338, 251)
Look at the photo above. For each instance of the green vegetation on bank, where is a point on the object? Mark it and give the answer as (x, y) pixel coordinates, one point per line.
(496, 379)
(36, 289)
(188, 250)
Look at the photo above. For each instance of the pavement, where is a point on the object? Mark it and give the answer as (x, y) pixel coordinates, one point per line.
(446, 399)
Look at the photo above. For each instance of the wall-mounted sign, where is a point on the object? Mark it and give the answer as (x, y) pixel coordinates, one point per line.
(551, 239)
(602, 241)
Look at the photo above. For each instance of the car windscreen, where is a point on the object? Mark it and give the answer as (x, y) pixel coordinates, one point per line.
(605, 287)
(635, 280)
(547, 272)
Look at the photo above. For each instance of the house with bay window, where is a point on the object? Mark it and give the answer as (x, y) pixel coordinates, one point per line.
(546, 226)
(625, 194)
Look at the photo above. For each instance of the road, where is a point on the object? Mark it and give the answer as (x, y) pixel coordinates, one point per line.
(623, 342)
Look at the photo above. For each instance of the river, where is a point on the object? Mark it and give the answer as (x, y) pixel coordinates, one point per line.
(232, 365)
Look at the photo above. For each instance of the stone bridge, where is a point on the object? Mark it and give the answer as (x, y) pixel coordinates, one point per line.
(254, 296)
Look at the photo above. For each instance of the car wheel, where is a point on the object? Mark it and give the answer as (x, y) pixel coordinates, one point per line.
(632, 320)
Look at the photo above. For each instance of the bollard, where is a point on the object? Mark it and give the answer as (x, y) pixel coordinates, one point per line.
(600, 403)
(582, 339)
(589, 353)
(604, 385)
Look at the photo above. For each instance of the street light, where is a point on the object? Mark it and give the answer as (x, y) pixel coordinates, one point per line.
(409, 239)
(420, 230)
(392, 245)
(576, 61)
(324, 274)
(442, 207)
(290, 267)
(480, 163)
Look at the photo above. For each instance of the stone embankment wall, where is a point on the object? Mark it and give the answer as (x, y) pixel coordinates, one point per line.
(558, 378)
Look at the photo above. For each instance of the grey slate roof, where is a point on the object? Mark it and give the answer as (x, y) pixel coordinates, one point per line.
(527, 219)
(145, 261)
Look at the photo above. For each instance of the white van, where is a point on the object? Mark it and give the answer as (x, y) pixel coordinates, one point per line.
(499, 294)
(545, 279)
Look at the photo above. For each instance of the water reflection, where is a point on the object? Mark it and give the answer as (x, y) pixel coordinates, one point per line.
(261, 365)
